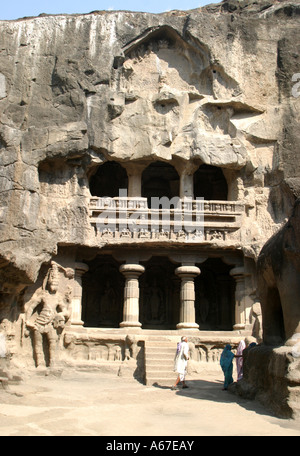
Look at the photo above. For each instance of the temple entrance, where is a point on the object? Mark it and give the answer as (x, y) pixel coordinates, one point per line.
(108, 180)
(160, 179)
(159, 295)
(214, 300)
(210, 183)
(102, 293)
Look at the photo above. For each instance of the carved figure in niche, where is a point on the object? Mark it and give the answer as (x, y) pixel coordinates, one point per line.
(109, 304)
(131, 347)
(279, 283)
(192, 351)
(8, 319)
(202, 353)
(256, 320)
(203, 304)
(155, 304)
(214, 354)
(46, 315)
(118, 353)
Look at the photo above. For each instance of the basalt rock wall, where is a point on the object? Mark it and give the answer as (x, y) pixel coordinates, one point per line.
(71, 98)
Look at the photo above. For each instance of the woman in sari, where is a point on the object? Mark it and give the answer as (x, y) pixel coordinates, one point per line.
(227, 365)
(239, 359)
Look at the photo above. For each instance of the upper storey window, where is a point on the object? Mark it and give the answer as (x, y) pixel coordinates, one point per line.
(210, 183)
(158, 180)
(108, 180)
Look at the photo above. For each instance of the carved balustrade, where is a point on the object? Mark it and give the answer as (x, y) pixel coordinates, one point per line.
(130, 219)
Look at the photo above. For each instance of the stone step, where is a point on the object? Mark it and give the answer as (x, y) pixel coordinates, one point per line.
(156, 343)
(160, 355)
(160, 373)
(161, 381)
(160, 347)
(159, 362)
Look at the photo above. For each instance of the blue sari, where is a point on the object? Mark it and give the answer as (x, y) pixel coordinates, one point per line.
(227, 365)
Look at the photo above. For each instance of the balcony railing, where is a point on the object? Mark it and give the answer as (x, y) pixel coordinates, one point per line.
(123, 219)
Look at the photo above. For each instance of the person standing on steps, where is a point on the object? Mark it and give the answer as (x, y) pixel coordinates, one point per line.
(180, 362)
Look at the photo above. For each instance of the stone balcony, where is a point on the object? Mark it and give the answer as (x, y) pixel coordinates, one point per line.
(130, 220)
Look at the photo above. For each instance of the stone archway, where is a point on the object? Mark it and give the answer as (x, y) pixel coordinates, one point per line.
(210, 183)
(109, 178)
(160, 179)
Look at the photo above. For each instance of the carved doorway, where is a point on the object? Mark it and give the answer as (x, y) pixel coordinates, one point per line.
(210, 183)
(102, 293)
(158, 180)
(214, 296)
(159, 295)
(108, 179)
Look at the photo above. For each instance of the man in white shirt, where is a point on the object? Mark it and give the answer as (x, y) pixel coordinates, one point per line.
(180, 364)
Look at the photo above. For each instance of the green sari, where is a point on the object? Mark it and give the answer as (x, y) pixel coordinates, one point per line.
(227, 365)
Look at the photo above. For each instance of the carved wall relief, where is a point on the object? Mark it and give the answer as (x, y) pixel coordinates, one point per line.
(162, 102)
(47, 312)
(214, 303)
(102, 299)
(159, 295)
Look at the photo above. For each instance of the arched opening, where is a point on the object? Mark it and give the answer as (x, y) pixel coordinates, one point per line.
(214, 296)
(160, 179)
(102, 293)
(108, 180)
(159, 295)
(210, 183)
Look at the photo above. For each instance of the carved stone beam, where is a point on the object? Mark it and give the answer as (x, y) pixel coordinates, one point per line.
(187, 259)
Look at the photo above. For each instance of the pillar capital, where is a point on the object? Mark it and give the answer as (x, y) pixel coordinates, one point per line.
(81, 268)
(238, 272)
(187, 271)
(132, 270)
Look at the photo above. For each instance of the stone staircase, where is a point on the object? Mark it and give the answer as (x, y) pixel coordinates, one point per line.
(159, 361)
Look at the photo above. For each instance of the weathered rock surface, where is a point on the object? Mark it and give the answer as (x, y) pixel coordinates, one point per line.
(78, 89)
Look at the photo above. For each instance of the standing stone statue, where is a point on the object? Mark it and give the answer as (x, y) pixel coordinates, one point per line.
(46, 316)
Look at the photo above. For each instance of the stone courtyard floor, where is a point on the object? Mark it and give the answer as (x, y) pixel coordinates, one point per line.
(80, 403)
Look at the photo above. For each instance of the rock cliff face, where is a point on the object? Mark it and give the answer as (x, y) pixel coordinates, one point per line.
(77, 90)
(216, 89)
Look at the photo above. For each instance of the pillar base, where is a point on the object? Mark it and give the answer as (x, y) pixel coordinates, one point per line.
(77, 323)
(130, 324)
(185, 325)
(239, 326)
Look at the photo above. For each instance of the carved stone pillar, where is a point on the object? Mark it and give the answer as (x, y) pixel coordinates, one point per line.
(134, 173)
(131, 294)
(187, 186)
(239, 275)
(187, 296)
(80, 269)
